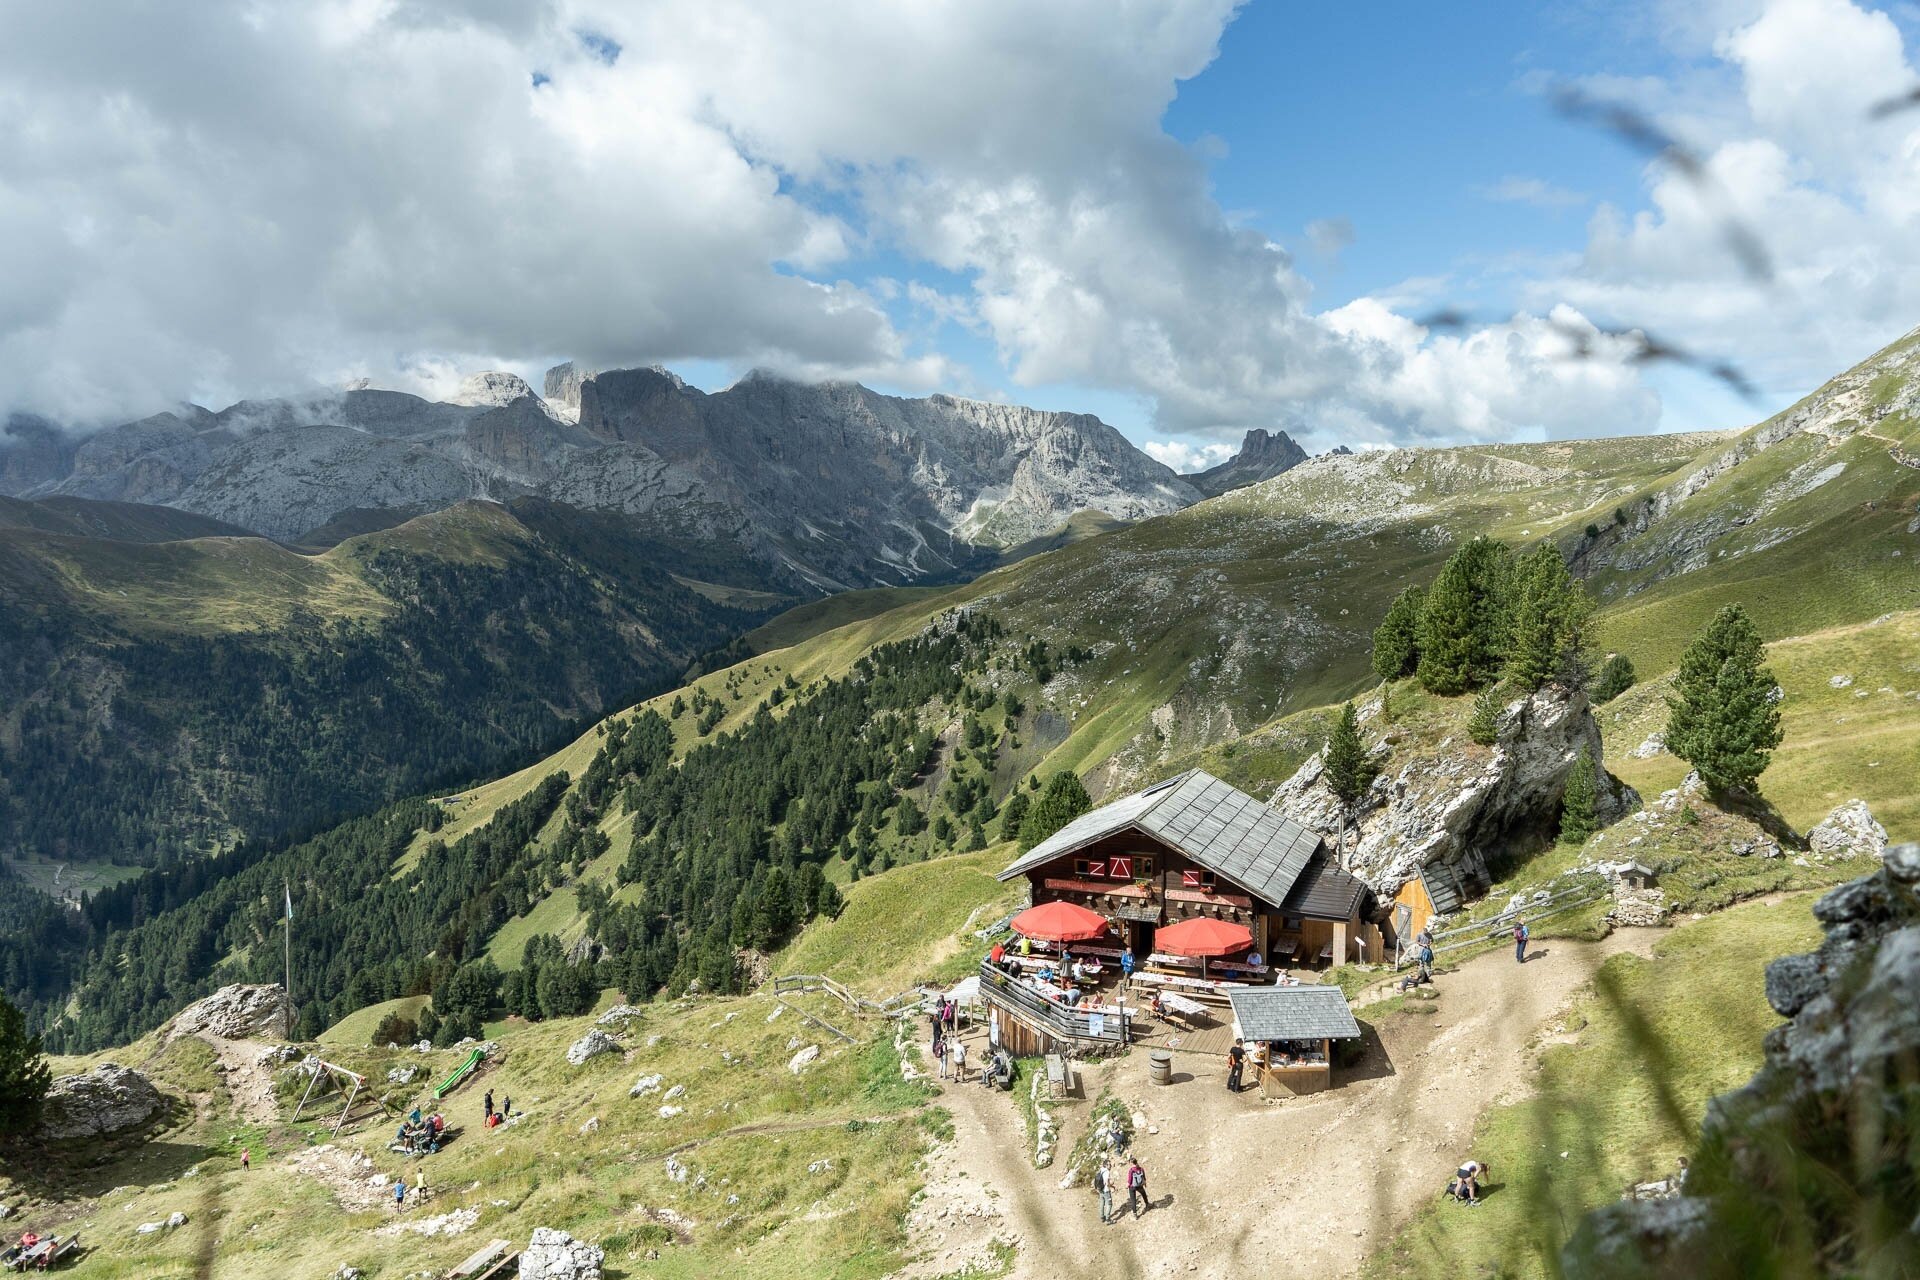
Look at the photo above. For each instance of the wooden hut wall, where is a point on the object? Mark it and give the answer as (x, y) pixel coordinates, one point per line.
(1180, 886)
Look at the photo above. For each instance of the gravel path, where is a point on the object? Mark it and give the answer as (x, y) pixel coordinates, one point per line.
(1240, 1183)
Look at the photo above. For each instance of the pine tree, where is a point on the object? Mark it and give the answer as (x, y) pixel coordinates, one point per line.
(1616, 677)
(1721, 718)
(1396, 641)
(1013, 814)
(1349, 769)
(24, 1074)
(1464, 619)
(1064, 800)
(1483, 726)
(1548, 611)
(1576, 804)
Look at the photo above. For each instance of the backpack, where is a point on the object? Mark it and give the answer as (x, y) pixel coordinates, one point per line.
(1520, 933)
(1426, 955)
(1099, 1179)
(1136, 1177)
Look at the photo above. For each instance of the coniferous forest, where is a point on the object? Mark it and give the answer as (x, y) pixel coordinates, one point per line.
(726, 851)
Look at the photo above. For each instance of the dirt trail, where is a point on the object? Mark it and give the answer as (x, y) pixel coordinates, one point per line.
(1239, 1183)
(248, 1079)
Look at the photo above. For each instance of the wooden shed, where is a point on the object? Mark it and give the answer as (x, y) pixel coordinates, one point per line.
(1290, 1032)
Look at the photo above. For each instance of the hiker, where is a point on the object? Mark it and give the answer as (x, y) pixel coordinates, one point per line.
(489, 1102)
(246, 1159)
(506, 1109)
(1465, 1186)
(1103, 1184)
(1236, 1061)
(1126, 966)
(420, 1183)
(940, 1053)
(1520, 936)
(493, 1119)
(1137, 1188)
(399, 1193)
(959, 1060)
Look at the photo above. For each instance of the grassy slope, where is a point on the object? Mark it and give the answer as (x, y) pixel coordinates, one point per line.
(1618, 1105)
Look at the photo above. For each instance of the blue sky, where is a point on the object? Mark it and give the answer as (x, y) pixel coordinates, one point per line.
(1191, 217)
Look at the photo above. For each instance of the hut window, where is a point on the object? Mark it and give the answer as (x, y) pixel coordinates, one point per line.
(1090, 868)
(1192, 879)
(1131, 866)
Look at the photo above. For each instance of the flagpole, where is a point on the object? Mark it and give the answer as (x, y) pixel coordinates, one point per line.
(287, 958)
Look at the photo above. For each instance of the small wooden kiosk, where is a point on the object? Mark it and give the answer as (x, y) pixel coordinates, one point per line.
(1290, 1032)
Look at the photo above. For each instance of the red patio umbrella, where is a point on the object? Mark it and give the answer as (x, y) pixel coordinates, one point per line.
(1202, 936)
(1059, 922)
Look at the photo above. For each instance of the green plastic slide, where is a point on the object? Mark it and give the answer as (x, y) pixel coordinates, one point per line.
(460, 1073)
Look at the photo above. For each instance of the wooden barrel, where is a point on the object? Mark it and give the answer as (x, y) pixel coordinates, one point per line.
(1160, 1066)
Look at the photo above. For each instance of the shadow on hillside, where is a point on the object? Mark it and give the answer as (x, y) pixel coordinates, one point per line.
(75, 1170)
(1373, 1062)
(1760, 811)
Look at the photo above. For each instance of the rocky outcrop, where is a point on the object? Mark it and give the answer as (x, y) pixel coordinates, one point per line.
(104, 1102)
(238, 1012)
(1263, 455)
(591, 1045)
(555, 1255)
(1805, 1170)
(1850, 831)
(839, 485)
(1456, 804)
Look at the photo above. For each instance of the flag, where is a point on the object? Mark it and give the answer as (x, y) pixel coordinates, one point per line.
(289, 892)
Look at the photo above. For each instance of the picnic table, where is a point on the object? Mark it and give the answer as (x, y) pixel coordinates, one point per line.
(486, 1262)
(1173, 961)
(1286, 948)
(1177, 1006)
(1258, 970)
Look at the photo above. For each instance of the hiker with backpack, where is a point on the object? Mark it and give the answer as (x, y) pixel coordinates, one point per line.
(1103, 1185)
(1137, 1188)
(1520, 936)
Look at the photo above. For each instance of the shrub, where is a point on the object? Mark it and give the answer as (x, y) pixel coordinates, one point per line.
(1616, 677)
(396, 1028)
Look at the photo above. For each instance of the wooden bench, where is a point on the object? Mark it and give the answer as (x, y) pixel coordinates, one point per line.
(1059, 1076)
(487, 1262)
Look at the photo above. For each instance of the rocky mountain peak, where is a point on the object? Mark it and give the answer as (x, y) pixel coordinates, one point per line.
(490, 389)
(1263, 455)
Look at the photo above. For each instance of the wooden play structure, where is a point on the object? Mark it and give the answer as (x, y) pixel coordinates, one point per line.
(341, 1078)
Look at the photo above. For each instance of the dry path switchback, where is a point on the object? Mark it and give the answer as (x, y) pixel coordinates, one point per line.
(1307, 1187)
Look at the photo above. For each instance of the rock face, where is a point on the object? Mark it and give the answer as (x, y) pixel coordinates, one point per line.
(839, 484)
(238, 1012)
(1808, 1160)
(1460, 805)
(1850, 831)
(108, 1100)
(1263, 455)
(591, 1045)
(555, 1255)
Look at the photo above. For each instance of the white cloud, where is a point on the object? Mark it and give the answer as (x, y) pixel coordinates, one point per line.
(1538, 192)
(225, 197)
(1187, 456)
(1791, 153)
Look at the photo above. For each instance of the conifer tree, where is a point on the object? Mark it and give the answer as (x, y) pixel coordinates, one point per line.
(1064, 800)
(1576, 804)
(1396, 641)
(1013, 814)
(1721, 718)
(1616, 677)
(1483, 726)
(1463, 621)
(1349, 769)
(1548, 611)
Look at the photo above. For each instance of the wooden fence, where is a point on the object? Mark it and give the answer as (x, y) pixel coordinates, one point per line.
(1094, 1030)
(1587, 889)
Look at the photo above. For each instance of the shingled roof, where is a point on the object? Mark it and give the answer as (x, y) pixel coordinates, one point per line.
(1325, 892)
(1292, 1013)
(1212, 822)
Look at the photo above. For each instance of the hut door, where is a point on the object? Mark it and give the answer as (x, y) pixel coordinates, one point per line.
(1140, 939)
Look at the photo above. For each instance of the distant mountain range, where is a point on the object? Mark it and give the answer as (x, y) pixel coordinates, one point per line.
(829, 486)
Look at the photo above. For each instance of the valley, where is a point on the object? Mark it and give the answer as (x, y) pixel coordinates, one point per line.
(832, 790)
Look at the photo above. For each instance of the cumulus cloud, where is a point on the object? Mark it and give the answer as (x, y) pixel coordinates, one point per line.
(231, 198)
(1186, 456)
(1793, 152)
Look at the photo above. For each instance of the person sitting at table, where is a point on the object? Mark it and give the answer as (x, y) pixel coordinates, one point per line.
(998, 954)
(1255, 960)
(1026, 946)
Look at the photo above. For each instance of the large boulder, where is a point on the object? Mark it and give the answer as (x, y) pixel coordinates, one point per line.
(1805, 1170)
(104, 1102)
(555, 1255)
(591, 1045)
(1458, 804)
(239, 1012)
(1850, 831)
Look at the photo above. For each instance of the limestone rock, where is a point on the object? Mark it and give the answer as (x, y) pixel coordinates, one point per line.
(402, 1075)
(800, 1060)
(1842, 1061)
(110, 1099)
(236, 1012)
(1850, 831)
(620, 1013)
(645, 1085)
(1458, 805)
(591, 1045)
(555, 1255)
